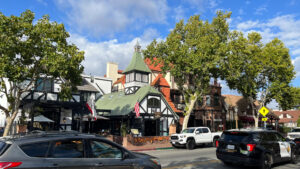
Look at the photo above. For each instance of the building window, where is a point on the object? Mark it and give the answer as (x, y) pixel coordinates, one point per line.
(216, 100)
(85, 96)
(45, 85)
(127, 78)
(153, 103)
(131, 79)
(145, 78)
(208, 100)
(138, 77)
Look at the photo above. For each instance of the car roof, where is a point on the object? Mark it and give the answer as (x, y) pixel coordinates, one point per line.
(45, 136)
(252, 130)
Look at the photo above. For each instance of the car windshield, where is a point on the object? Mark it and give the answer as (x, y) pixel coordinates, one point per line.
(235, 136)
(188, 131)
(295, 130)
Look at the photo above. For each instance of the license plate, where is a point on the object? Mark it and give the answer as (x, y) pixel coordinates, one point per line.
(230, 147)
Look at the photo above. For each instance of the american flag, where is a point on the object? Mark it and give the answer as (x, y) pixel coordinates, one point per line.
(137, 109)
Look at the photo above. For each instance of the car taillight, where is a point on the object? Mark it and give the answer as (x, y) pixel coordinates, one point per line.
(217, 143)
(250, 147)
(5, 165)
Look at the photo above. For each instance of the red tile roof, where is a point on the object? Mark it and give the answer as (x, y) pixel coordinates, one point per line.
(120, 71)
(294, 113)
(160, 81)
(120, 80)
(153, 65)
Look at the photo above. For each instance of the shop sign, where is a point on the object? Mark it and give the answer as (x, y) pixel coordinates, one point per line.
(157, 115)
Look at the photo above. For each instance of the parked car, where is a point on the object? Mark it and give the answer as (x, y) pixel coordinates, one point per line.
(193, 136)
(69, 150)
(261, 148)
(295, 133)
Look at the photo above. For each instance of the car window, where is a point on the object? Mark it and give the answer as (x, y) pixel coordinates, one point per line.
(36, 149)
(3, 147)
(295, 130)
(280, 137)
(101, 149)
(235, 136)
(188, 131)
(199, 130)
(205, 130)
(68, 149)
(269, 137)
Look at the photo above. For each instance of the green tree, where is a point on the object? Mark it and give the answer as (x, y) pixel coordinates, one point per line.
(258, 70)
(192, 53)
(31, 50)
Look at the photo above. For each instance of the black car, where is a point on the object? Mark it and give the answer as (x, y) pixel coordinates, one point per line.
(69, 150)
(260, 148)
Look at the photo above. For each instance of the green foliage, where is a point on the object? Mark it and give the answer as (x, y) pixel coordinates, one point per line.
(253, 67)
(191, 53)
(298, 122)
(32, 49)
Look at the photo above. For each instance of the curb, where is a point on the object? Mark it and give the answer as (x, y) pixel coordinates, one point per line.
(151, 149)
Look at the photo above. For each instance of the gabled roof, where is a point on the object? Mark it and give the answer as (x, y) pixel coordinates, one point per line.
(137, 64)
(120, 104)
(160, 81)
(86, 86)
(153, 66)
(294, 113)
(120, 80)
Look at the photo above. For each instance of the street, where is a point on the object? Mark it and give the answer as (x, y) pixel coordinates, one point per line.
(199, 158)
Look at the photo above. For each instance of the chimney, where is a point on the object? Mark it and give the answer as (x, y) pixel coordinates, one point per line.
(112, 71)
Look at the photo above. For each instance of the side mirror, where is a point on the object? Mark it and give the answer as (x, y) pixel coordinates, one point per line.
(125, 155)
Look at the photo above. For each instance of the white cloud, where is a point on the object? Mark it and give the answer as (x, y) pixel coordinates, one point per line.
(202, 5)
(107, 17)
(296, 63)
(226, 89)
(179, 13)
(97, 54)
(260, 10)
(247, 25)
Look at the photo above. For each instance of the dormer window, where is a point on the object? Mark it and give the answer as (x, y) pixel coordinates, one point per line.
(145, 78)
(138, 77)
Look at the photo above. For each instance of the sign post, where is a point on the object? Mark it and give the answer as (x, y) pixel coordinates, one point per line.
(264, 111)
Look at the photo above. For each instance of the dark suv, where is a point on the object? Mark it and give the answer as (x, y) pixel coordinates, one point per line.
(260, 148)
(69, 150)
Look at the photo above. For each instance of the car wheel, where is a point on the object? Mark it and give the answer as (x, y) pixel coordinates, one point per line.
(294, 157)
(190, 144)
(214, 142)
(227, 163)
(266, 162)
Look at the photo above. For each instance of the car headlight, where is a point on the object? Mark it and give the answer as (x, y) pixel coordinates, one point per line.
(183, 136)
(155, 160)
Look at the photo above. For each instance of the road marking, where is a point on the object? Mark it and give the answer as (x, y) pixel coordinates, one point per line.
(193, 164)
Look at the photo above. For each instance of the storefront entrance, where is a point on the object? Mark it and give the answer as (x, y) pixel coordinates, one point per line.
(151, 127)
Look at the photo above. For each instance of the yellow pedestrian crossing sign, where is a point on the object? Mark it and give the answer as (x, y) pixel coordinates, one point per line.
(264, 111)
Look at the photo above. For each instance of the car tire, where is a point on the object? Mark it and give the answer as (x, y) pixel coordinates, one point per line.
(294, 158)
(214, 142)
(266, 162)
(190, 145)
(227, 163)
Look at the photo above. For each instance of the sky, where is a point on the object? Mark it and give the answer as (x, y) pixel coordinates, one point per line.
(107, 30)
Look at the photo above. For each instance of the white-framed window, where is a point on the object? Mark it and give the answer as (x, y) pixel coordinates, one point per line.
(127, 78)
(131, 77)
(145, 78)
(138, 77)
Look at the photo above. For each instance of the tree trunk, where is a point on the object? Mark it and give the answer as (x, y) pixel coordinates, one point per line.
(190, 109)
(7, 126)
(254, 114)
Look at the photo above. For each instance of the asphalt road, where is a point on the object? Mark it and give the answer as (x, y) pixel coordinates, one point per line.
(200, 158)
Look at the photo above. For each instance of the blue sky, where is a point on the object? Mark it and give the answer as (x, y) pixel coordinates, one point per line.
(108, 29)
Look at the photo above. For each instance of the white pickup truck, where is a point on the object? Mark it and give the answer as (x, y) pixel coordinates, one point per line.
(193, 136)
(295, 133)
